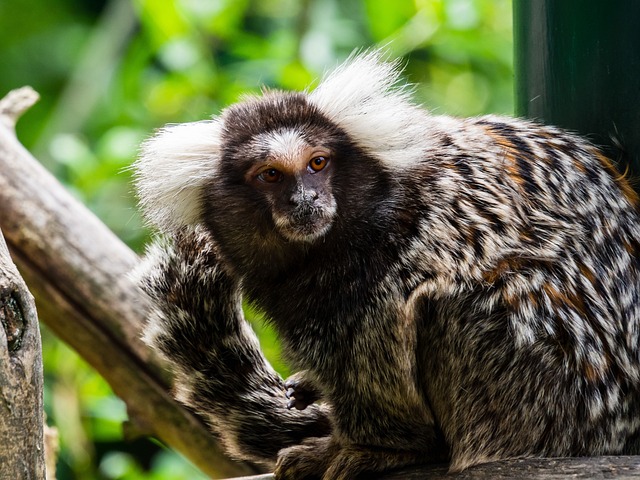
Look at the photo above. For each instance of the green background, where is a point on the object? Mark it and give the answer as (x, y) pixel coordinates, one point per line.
(110, 72)
(577, 66)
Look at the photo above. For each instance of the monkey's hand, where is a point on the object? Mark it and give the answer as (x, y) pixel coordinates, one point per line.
(196, 323)
(301, 390)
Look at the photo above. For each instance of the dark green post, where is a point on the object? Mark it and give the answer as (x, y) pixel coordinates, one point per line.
(577, 65)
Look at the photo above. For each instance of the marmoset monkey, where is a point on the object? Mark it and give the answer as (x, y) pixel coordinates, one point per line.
(455, 289)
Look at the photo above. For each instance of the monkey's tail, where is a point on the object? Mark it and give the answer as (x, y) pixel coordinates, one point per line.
(196, 323)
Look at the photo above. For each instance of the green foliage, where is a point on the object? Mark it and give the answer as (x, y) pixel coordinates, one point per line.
(110, 72)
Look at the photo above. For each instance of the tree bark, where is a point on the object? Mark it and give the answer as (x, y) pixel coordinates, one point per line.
(21, 405)
(77, 270)
(619, 468)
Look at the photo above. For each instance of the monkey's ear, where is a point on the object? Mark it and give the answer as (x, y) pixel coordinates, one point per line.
(367, 99)
(365, 83)
(173, 168)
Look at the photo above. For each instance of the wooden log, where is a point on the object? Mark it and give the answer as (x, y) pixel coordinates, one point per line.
(21, 404)
(607, 467)
(77, 270)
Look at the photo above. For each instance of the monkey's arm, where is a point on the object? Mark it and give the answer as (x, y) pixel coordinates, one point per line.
(196, 323)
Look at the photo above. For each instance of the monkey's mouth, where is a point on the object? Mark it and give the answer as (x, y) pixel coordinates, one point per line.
(304, 224)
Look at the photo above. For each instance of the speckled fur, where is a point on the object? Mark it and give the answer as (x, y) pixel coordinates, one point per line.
(196, 323)
(476, 296)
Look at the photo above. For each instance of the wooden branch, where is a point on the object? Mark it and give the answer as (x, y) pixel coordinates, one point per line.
(21, 405)
(620, 468)
(77, 270)
(533, 469)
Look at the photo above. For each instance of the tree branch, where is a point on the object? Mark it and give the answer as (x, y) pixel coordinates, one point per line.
(77, 269)
(612, 467)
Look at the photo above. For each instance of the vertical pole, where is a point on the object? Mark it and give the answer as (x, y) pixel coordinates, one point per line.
(577, 66)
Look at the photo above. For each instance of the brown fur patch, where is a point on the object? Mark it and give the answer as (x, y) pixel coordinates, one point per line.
(587, 272)
(562, 300)
(509, 156)
(621, 179)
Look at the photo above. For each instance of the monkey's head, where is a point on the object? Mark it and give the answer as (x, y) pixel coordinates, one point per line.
(281, 171)
(277, 162)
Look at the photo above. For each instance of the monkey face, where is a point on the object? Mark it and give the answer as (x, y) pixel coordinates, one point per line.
(294, 178)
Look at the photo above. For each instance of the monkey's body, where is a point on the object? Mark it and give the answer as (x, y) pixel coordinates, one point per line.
(461, 288)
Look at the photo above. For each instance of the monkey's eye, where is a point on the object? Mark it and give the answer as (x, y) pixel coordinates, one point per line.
(270, 175)
(318, 163)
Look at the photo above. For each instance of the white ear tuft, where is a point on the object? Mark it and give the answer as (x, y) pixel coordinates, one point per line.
(364, 97)
(353, 86)
(173, 167)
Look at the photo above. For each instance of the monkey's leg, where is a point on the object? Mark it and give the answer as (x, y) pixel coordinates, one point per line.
(196, 323)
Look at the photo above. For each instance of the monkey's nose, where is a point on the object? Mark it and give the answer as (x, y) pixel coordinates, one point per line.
(305, 196)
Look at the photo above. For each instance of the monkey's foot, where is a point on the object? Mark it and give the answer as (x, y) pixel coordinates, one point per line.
(301, 391)
(324, 459)
(307, 461)
(358, 462)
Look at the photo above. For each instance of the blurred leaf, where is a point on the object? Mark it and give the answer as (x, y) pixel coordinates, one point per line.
(385, 17)
(163, 20)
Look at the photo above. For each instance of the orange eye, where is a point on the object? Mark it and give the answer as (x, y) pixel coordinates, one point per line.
(270, 175)
(318, 163)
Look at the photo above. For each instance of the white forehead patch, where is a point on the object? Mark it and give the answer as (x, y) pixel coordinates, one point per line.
(283, 144)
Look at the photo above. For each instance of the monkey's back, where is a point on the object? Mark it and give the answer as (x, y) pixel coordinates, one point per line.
(529, 333)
